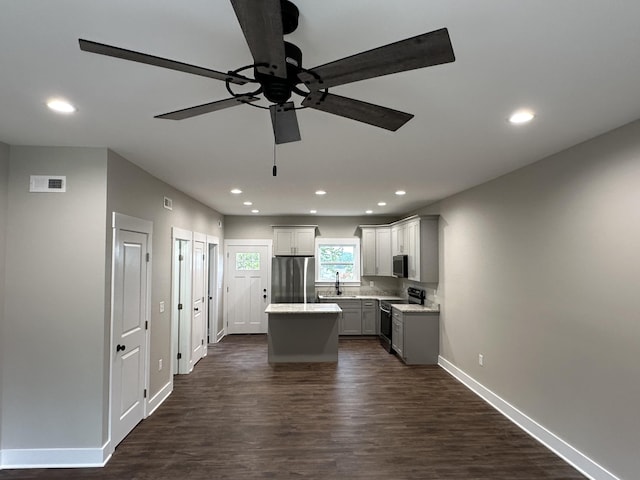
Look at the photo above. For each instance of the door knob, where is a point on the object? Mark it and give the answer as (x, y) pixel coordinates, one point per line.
(120, 348)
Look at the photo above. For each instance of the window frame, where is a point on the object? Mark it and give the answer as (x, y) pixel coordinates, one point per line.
(351, 241)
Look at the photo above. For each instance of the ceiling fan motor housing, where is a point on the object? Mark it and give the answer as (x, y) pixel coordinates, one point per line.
(290, 14)
(278, 90)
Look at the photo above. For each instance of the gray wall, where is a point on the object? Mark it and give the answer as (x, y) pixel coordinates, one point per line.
(540, 272)
(52, 339)
(4, 186)
(132, 191)
(244, 227)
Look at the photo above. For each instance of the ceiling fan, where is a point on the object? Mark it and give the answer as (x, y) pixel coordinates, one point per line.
(278, 73)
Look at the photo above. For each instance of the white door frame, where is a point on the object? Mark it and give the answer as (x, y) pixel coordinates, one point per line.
(125, 222)
(176, 333)
(215, 282)
(239, 243)
(202, 238)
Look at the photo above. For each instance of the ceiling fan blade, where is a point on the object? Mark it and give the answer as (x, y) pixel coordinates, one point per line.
(433, 48)
(375, 115)
(285, 123)
(207, 108)
(124, 54)
(261, 23)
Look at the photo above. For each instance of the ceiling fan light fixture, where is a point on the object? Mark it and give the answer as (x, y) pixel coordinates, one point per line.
(520, 117)
(61, 106)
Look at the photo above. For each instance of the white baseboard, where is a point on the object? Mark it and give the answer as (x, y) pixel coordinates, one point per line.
(55, 457)
(157, 400)
(554, 443)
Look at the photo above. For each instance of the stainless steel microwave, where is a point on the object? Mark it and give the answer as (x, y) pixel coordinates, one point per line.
(400, 266)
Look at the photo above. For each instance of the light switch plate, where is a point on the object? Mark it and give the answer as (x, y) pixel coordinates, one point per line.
(161, 307)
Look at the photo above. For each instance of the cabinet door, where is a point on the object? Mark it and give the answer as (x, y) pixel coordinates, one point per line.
(368, 251)
(397, 239)
(305, 241)
(369, 316)
(351, 322)
(383, 252)
(283, 241)
(397, 334)
(412, 241)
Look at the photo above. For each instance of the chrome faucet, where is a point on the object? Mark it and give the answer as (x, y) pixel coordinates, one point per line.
(338, 292)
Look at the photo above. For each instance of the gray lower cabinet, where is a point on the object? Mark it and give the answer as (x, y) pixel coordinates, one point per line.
(359, 317)
(370, 317)
(416, 337)
(351, 319)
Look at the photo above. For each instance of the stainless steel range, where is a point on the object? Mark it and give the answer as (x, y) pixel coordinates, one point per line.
(414, 295)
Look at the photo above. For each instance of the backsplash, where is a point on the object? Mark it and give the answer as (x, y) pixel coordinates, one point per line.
(381, 286)
(384, 286)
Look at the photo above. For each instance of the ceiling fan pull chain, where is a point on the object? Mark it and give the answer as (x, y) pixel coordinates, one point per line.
(274, 171)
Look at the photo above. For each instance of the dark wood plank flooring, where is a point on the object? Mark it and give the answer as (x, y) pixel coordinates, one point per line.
(368, 417)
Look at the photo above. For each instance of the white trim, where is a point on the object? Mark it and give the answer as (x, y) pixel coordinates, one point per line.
(159, 398)
(56, 457)
(564, 450)
(218, 269)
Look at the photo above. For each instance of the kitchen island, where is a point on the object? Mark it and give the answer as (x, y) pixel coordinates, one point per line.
(303, 332)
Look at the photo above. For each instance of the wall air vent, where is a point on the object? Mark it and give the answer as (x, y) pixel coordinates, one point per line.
(168, 203)
(48, 183)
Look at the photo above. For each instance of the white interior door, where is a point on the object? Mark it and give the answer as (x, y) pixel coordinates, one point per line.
(181, 301)
(129, 327)
(199, 303)
(248, 287)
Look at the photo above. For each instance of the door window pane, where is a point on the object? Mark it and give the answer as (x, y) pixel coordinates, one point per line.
(248, 261)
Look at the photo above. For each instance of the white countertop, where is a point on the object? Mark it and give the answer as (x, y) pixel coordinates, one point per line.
(413, 308)
(361, 297)
(309, 308)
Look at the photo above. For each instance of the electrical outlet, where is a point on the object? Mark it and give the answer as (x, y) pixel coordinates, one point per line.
(159, 364)
(161, 307)
(481, 360)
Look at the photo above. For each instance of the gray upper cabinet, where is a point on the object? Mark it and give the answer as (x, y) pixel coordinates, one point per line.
(294, 240)
(376, 251)
(415, 237)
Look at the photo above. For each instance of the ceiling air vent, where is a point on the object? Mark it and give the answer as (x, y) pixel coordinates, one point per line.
(48, 183)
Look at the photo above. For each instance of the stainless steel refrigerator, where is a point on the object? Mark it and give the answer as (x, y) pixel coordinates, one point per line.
(293, 280)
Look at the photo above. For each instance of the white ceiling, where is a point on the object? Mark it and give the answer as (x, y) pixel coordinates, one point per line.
(575, 62)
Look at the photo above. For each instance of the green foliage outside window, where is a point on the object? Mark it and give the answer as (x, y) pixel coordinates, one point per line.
(247, 261)
(337, 258)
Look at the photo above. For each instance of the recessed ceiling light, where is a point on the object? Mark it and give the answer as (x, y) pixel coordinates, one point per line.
(60, 106)
(401, 192)
(236, 191)
(320, 192)
(313, 211)
(521, 116)
(255, 211)
(248, 204)
(382, 204)
(369, 212)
